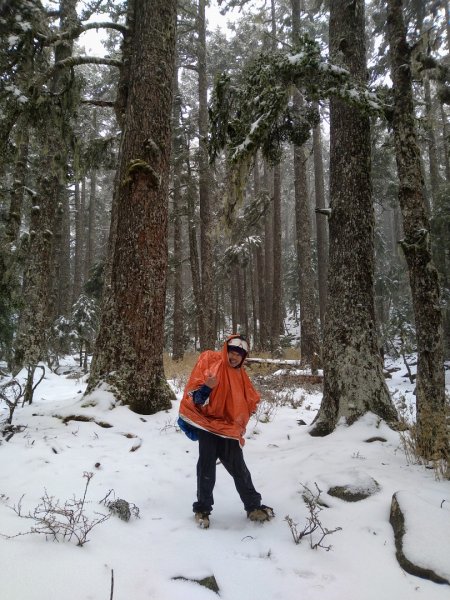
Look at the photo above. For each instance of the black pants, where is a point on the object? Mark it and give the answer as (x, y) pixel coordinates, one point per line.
(211, 448)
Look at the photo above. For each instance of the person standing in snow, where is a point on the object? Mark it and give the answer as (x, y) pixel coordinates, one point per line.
(217, 403)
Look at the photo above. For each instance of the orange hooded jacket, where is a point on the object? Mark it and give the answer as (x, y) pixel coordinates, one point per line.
(231, 402)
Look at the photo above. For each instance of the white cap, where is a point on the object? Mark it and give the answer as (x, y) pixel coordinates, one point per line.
(238, 343)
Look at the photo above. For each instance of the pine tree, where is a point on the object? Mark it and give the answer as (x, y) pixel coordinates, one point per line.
(129, 347)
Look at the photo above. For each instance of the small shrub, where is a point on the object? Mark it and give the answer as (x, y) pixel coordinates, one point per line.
(313, 524)
(11, 393)
(61, 521)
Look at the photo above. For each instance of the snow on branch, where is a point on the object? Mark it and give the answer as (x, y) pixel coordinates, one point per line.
(75, 32)
(74, 61)
(257, 113)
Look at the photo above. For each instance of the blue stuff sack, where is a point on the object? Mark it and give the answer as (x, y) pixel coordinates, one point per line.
(189, 430)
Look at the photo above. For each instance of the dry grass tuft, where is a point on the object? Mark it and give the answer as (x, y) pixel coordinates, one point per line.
(427, 442)
(179, 371)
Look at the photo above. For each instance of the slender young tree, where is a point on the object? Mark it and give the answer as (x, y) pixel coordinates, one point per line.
(177, 145)
(309, 312)
(321, 223)
(353, 372)
(129, 347)
(207, 332)
(416, 245)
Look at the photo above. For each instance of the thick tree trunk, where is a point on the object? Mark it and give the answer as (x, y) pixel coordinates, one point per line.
(353, 372)
(425, 291)
(129, 347)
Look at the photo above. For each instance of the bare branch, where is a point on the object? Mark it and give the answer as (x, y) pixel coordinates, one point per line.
(75, 32)
(102, 103)
(74, 61)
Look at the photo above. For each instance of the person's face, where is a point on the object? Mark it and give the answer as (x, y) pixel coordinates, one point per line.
(234, 358)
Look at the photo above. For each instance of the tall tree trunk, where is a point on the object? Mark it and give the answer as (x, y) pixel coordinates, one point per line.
(309, 325)
(241, 284)
(254, 296)
(11, 249)
(89, 258)
(63, 280)
(430, 388)
(234, 300)
(206, 242)
(40, 290)
(256, 292)
(78, 253)
(309, 313)
(129, 347)
(193, 250)
(261, 340)
(177, 143)
(275, 345)
(63, 84)
(321, 224)
(353, 372)
(266, 327)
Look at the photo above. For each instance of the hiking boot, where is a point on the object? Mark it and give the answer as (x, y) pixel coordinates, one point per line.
(202, 519)
(261, 514)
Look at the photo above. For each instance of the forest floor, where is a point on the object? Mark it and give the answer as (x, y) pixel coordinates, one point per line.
(157, 554)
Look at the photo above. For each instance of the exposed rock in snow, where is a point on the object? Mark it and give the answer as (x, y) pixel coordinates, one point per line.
(423, 545)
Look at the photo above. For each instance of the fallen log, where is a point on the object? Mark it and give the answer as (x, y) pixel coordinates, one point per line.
(302, 376)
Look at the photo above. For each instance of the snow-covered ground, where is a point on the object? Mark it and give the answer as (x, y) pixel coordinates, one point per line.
(150, 463)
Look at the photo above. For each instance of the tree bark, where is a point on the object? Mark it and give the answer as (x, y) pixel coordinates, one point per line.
(353, 375)
(129, 347)
(18, 185)
(433, 160)
(425, 291)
